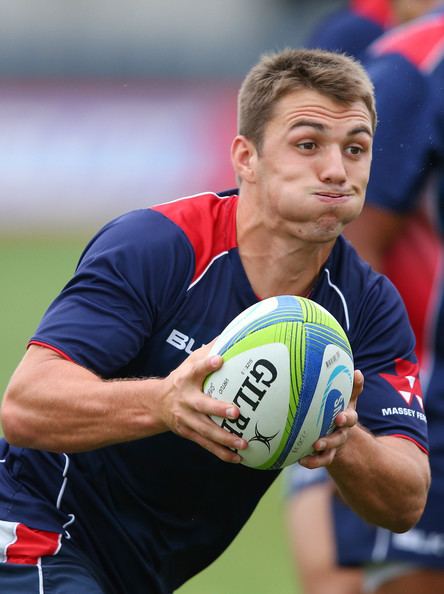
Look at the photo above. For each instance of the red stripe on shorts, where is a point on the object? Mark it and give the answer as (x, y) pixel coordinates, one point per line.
(32, 544)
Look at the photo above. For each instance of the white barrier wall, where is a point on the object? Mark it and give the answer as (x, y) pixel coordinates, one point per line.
(91, 120)
(78, 153)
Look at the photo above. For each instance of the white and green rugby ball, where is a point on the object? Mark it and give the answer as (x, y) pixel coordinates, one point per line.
(288, 366)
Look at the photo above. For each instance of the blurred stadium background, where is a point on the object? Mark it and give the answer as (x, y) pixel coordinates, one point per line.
(107, 106)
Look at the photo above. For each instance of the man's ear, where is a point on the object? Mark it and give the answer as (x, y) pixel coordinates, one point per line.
(244, 158)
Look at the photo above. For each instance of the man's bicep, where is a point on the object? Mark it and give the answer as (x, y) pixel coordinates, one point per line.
(43, 365)
(414, 451)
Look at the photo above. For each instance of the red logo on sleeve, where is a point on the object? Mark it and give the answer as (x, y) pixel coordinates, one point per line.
(406, 381)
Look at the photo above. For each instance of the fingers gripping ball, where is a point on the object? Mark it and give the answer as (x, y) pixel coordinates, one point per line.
(288, 366)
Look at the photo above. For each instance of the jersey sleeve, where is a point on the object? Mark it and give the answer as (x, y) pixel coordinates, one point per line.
(129, 277)
(404, 136)
(383, 345)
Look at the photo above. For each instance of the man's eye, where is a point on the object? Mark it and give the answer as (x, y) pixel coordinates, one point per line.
(355, 150)
(306, 146)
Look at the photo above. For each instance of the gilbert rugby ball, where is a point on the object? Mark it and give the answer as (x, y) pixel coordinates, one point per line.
(288, 366)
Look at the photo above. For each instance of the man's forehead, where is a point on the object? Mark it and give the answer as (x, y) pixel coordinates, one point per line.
(315, 107)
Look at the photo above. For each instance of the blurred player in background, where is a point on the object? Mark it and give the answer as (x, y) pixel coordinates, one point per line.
(351, 29)
(399, 232)
(128, 487)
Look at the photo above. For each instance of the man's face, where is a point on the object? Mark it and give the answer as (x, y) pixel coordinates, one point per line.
(313, 167)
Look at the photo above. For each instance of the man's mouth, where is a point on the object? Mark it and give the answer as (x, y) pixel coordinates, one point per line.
(334, 196)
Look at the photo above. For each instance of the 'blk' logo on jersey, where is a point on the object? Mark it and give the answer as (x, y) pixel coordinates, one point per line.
(181, 341)
(406, 381)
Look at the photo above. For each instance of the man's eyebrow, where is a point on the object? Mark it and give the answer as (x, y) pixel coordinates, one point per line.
(309, 123)
(360, 130)
(321, 128)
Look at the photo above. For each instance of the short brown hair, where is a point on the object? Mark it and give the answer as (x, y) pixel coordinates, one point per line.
(335, 75)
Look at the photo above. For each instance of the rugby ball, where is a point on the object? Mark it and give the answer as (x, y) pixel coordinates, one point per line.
(288, 366)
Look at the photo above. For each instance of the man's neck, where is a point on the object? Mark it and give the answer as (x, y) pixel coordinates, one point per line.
(274, 263)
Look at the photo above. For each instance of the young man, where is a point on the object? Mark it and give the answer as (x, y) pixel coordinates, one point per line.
(399, 232)
(123, 487)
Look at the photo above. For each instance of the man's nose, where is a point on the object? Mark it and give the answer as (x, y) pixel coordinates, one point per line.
(332, 168)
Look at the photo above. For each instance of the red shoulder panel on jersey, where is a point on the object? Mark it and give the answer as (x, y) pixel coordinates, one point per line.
(201, 218)
(421, 43)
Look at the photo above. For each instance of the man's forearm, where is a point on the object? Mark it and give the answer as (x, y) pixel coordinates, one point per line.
(384, 479)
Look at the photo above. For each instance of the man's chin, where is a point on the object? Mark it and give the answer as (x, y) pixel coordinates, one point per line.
(330, 226)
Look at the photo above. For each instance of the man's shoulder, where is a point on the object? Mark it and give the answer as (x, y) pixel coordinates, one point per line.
(419, 41)
(198, 218)
(208, 221)
(205, 208)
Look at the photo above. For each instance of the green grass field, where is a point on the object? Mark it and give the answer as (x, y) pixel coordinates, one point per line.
(32, 271)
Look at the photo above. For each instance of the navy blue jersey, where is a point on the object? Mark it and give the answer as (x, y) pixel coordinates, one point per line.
(152, 286)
